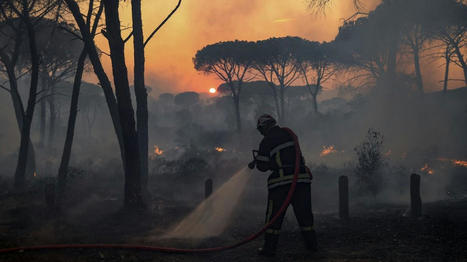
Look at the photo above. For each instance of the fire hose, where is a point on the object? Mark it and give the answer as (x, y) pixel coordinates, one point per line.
(179, 250)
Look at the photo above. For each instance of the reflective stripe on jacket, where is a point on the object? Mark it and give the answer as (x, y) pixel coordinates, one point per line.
(277, 153)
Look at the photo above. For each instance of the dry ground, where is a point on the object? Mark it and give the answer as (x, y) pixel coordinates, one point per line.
(378, 234)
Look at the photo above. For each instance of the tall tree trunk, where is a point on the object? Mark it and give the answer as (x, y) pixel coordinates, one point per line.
(418, 71)
(281, 93)
(100, 73)
(19, 113)
(276, 100)
(460, 57)
(64, 163)
(26, 130)
(43, 112)
(315, 103)
(315, 94)
(447, 57)
(52, 119)
(236, 100)
(133, 196)
(236, 103)
(140, 92)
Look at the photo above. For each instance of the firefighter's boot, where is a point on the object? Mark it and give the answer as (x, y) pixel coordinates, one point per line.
(310, 240)
(270, 245)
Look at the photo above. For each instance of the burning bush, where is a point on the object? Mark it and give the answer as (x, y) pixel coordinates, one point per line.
(327, 150)
(370, 161)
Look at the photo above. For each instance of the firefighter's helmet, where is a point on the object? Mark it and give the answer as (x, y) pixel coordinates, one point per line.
(265, 122)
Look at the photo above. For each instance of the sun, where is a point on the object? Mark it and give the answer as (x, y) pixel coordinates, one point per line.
(212, 90)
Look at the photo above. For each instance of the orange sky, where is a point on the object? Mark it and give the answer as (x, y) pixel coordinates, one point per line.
(169, 66)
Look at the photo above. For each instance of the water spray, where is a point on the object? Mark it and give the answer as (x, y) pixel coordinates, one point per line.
(212, 216)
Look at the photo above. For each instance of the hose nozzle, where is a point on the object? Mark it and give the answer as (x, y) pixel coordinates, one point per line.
(252, 164)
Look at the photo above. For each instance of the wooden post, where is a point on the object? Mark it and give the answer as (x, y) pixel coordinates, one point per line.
(343, 197)
(415, 199)
(207, 188)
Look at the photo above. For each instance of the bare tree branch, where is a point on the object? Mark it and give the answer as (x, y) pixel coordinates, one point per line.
(161, 24)
(5, 88)
(64, 28)
(97, 18)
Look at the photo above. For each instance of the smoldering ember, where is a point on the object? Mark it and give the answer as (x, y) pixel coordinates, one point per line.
(247, 130)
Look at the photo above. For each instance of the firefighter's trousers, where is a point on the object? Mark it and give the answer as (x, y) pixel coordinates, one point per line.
(301, 203)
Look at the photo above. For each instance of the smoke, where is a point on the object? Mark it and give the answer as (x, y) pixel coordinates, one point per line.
(9, 135)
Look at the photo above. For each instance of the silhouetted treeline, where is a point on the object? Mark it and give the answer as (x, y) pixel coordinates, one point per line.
(372, 46)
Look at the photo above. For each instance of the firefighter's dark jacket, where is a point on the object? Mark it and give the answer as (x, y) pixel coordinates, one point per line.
(277, 153)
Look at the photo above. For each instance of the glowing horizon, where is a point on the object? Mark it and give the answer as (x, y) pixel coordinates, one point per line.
(197, 23)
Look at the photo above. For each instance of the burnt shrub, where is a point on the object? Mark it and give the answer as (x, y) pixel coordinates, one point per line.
(369, 163)
(193, 168)
(190, 166)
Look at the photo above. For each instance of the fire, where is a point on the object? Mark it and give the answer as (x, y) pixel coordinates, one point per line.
(220, 149)
(462, 163)
(158, 151)
(427, 169)
(327, 150)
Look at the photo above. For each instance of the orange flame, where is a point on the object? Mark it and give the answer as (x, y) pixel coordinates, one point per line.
(327, 150)
(220, 149)
(427, 169)
(158, 151)
(462, 163)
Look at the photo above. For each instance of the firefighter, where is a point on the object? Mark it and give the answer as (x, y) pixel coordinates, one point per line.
(277, 154)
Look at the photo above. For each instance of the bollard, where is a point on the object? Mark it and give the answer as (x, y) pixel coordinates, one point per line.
(207, 188)
(415, 199)
(343, 197)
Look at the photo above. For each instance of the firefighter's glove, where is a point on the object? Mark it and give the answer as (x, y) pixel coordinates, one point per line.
(252, 164)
